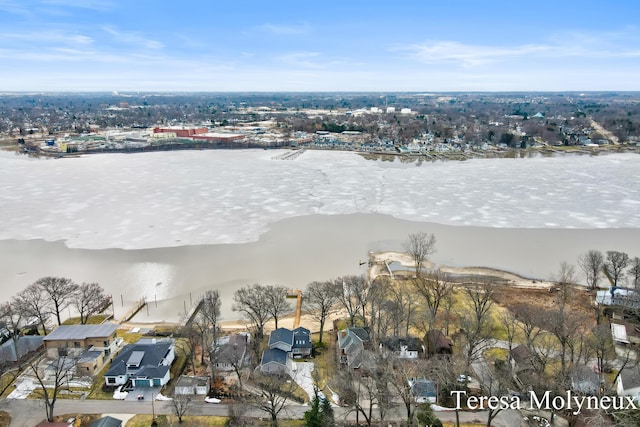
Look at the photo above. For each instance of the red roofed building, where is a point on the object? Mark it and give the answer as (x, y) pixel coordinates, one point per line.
(181, 132)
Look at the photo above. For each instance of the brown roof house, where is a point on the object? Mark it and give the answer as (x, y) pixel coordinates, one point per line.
(437, 343)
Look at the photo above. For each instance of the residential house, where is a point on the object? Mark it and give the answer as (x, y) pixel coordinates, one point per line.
(146, 363)
(285, 344)
(192, 385)
(351, 344)
(628, 383)
(90, 363)
(521, 358)
(302, 345)
(423, 390)
(437, 343)
(232, 352)
(619, 334)
(92, 345)
(625, 333)
(274, 361)
(402, 347)
(282, 339)
(72, 340)
(585, 381)
(26, 345)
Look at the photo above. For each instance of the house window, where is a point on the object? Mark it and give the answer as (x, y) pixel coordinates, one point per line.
(111, 380)
(76, 344)
(105, 343)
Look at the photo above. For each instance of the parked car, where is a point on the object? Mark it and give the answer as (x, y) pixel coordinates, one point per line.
(212, 400)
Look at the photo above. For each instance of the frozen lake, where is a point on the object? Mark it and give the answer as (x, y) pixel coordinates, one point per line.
(150, 200)
(168, 226)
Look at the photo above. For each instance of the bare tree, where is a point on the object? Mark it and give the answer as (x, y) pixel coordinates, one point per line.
(359, 390)
(274, 391)
(232, 354)
(601, 344)
(476, 324)
(383, 312)
(32, 302)
(322, 298)
(88, 299)
(508, 321)
(52, 378)
(433, 288)
(615, 264)
(591, 264)
(277, 300)
(61, 292)
(530, 319)
(419, 246)
(561, 321)
(13, 319)
(253, 303)
(352, 287)
(634, 273)
(180, 404)
(403, 372)
(206, 323)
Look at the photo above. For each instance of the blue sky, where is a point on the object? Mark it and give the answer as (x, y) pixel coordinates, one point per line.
(189, 45)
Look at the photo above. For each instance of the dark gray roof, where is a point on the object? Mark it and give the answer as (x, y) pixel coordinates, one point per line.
(630, 378)
(584, 380)
(274, 355)
(233, 351)
(283, 335)
(153, 371)
(191, 381)
(423, 388)
(361, 333)
(81, 332)
(26, 344)
(107, 422)
(301, 338)
(396, 343)
(154, 352)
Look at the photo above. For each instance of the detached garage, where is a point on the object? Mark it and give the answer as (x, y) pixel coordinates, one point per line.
(191, 385)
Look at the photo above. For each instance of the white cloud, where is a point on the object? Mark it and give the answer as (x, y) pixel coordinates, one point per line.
(97, 5)
(572, 44)
(43, 37)
(286, 30)
(302, 59)
(15, 7)
(132, 38)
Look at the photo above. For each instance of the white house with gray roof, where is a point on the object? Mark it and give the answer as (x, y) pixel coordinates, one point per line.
(146, 363)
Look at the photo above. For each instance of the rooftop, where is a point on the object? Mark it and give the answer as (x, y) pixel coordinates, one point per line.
(81, 332)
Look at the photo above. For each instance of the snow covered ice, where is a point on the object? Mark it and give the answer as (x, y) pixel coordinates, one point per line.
(147, 200)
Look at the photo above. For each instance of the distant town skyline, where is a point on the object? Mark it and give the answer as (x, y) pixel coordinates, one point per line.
(145, 45)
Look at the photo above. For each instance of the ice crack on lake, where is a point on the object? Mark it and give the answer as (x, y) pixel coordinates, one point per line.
(180, 198)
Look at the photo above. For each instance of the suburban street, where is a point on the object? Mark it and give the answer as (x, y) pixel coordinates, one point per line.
(29, 412)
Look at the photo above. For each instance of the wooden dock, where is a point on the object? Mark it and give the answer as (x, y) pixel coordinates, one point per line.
(296, 293)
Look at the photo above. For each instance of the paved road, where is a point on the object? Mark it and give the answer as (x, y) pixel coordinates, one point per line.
(29, 412)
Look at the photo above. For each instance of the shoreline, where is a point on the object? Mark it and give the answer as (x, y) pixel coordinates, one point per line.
(292, 253)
